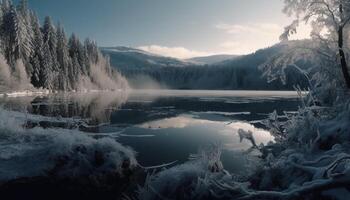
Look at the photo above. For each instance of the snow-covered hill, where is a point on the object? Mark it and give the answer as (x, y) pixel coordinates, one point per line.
(131, 58)
(210, 60)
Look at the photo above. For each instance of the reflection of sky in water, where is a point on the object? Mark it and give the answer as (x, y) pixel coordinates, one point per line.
(175, 138)
(223, 129)
(214, 93)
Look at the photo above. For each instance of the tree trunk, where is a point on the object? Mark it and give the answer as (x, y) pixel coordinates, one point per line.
(343, 62)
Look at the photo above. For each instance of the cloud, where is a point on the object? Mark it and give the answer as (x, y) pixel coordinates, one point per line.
(176, 52)
(240, 39)
(230, 44)
(247, 38)
(261, 29)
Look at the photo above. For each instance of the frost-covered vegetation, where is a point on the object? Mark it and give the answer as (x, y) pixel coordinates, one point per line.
(310, 156)
(56, 152)
(35, 56)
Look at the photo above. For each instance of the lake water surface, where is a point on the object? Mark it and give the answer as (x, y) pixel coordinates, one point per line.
(164, 126)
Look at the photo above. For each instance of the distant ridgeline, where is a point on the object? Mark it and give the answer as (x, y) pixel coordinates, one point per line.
(38, 56)
(143, 69)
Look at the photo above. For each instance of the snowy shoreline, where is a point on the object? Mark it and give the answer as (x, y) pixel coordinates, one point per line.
(24, 93)
(47, 92)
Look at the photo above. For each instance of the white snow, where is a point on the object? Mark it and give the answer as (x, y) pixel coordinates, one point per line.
(34, 152)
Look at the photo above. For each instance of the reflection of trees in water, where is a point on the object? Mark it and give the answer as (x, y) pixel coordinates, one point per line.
(16, 103)
(95, 106)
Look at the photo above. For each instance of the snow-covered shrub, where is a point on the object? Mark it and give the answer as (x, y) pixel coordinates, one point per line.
(57, 152)
(310, 159)
(191, 180)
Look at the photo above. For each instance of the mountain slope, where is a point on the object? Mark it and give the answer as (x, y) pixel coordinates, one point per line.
(210, 60)
(239, 73)
(130, 58)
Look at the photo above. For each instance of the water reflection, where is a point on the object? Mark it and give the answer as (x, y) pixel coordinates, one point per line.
(163, 126)
(175, 138)
(226, 133)
(94, 107)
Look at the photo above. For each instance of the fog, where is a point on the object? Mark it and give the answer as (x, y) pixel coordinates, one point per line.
(13, 79)
(101, 78)
(145, 82)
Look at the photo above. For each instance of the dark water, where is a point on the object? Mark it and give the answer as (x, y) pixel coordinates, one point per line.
(165, 126)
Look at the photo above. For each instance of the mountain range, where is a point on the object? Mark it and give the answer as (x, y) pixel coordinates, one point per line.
(211, 72)
(132, 58)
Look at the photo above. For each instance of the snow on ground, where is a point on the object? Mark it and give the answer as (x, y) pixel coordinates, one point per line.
(37, 151)
(24, 93)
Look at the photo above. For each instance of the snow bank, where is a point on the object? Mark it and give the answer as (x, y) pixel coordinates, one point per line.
(57, 152)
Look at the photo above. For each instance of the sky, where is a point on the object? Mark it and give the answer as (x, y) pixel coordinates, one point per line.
(176, 28)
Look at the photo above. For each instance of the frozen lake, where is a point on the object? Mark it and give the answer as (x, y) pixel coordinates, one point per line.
(164, 126)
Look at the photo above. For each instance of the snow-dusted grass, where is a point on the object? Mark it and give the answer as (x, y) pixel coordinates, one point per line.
(191, 180)
(56, 152)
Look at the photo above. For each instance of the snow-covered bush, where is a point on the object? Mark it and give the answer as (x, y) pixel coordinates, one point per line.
(191, 180)
(35, 152)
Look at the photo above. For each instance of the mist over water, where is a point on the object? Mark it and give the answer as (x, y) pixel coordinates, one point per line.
(13, 79)
(144, 81)
(102, 79)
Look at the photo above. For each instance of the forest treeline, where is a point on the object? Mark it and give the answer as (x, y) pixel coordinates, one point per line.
(42, 56)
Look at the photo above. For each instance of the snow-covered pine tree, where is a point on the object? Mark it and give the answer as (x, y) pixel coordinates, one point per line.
(83, 58)
(92, 50)
(37, 57)
(26, 34)
(50, 42)
(49, 59)
(1, 23)
(47, 71)
(6, 6)
(16, 37)
(63, 59)
(9, 35)
(75, 71)
(23, 7)
(49, 33)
